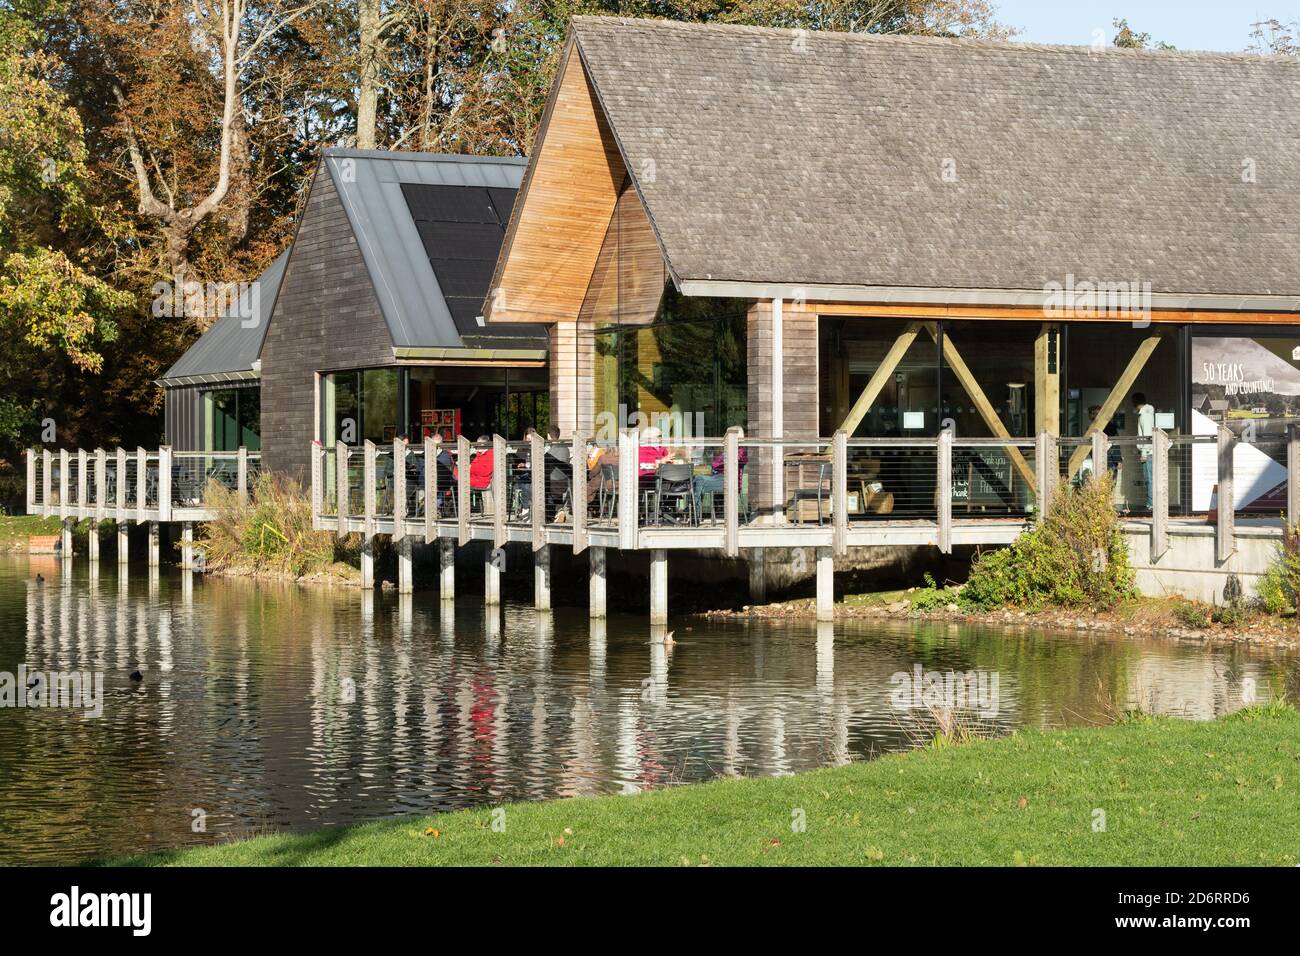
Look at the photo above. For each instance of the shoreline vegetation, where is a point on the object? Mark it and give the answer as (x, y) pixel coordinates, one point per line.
(1217, 793)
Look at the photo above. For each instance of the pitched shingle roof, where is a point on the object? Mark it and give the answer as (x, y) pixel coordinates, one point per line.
(820, 158)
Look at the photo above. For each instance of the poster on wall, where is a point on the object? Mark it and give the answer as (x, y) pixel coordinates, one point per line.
(1252, 386)
(443, 422)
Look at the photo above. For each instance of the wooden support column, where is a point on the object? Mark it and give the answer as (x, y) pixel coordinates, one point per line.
(825, 585)
(341, 486)
(777, 398)
(92, 542)
(241, 473)
(840, 492)
(629, 488)
(63, 482)
(782, 356)
(405, 573)
(31, 481)
(47, 482)
(1047, 379)
(880, 378)
(1045, 452)
(399, 496)
(1100, 452)
(141, 483)
(537, 504)
(367, 563)
(368, 489)
(165, 483)
(1292, 476)
(123, 543)
(1159, 494)
(500, 491)
(976, 394)
(81, 483)
(658, 586)
(462, 489)
(943, 491)
(1108, 408)
(494, 562)
(757, 577)
(446, 570)
(432, 448)
(578, 511)
(599, 571)
(731, 490)
(1225, 539)
(542, 578)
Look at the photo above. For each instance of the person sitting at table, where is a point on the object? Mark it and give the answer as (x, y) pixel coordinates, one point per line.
(712, 483)
(480, 466)
(652, 454)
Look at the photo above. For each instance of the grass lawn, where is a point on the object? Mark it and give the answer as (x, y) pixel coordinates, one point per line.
(1173, 792)
(14, 529)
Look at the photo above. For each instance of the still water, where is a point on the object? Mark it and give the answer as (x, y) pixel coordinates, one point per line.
(266, 707)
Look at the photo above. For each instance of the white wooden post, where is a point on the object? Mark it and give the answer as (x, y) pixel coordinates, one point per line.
(500, 491)
(542, 578)
(578, 492)
(825, 585)
(447, 570)
(430, 489)
(241, 473)
(731, 490)
(317, 482)
(493, 564)
(63, 483)
(82, 481)
(1159, 493)
(120, 516)
(596, 560)
(101, 484)
(66, 533)
(165, 483)
(341, 485)
(187, 545)
(1224, 532)
(368, 488)
(155, 544)
(658, 585)
(141, 483)
(1292, 476)
(31, 481)
(629, 488)
(840, 492)
(47, 483)
(462, 489)
(1100, 451)
(537, 506)
(399, 495)
(778, 409)
(1045, 466)
(943, 491)
(92, 542)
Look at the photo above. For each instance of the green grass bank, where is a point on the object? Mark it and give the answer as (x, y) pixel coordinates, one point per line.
(1145, 791)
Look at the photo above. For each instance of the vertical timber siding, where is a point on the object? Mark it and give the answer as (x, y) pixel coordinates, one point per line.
(799, 340)
(326, 317)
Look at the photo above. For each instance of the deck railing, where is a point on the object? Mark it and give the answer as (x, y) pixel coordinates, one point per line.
(139, 486)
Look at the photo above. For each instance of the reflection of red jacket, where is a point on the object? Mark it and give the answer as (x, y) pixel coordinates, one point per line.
(480, 471)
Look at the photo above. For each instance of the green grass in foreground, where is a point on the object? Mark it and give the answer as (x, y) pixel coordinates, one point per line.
(1174, 792)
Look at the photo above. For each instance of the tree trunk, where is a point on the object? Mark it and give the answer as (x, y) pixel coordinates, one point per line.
(368, 71)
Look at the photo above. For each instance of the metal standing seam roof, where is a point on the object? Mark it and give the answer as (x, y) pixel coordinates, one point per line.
(229, 349)
(370, 186)
(836, 159)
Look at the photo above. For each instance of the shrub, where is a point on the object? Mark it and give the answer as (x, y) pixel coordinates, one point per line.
(1279, 589)
(1192, 615)
(1075, 557)
(931, 596)
(270, 532)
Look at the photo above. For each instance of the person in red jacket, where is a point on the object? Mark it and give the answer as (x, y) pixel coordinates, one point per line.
(480, 466)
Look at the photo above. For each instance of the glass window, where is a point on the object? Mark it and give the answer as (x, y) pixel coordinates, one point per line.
(231, 418)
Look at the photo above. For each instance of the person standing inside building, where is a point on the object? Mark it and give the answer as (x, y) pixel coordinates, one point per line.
(1146, 424)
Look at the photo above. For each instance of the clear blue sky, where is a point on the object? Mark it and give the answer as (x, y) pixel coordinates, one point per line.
(1187, 24)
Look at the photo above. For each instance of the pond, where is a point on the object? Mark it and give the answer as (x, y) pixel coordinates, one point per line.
(262, 707)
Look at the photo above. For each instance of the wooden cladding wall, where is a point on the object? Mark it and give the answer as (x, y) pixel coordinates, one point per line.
(799, 388)
(563, 211)
(326, 317)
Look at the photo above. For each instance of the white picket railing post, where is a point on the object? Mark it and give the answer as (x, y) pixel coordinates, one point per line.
(1225, 533)
(341, 485)
(943, 491)
(840, 492)
(430, 488)
(1159, 493)
(500, 491)
(165, 483)
(578, 492)
(731, 490)
(463, 496)
(399, 489)
(629, 488)
(241, 473)
(537, 506)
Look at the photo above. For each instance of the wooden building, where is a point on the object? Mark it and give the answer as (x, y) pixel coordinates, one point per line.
(368, 326)
(804, 232)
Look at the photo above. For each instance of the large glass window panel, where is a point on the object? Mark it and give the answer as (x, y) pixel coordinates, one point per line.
(380, 410)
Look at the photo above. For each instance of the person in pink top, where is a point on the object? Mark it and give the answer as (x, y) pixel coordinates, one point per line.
(652, 454)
